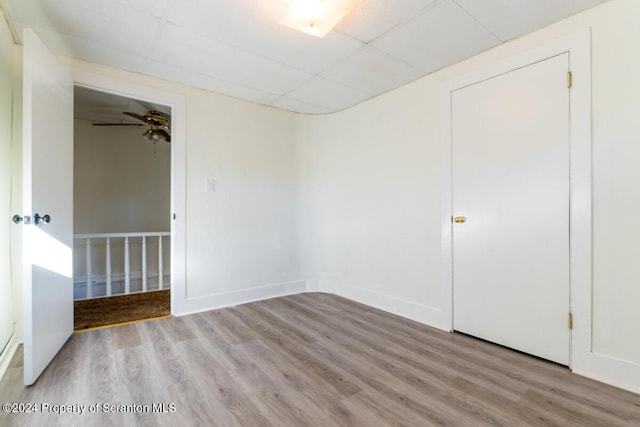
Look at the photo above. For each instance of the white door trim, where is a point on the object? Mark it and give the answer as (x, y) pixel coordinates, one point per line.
(177, 103)
(579, 47)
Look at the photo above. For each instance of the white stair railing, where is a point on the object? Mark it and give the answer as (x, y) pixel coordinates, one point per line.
(107, 240)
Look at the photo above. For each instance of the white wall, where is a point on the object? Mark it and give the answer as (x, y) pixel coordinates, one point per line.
(370, 182)
(121, 183)
(7, 69)
(370, 216)
(242, 235)
(241, 240)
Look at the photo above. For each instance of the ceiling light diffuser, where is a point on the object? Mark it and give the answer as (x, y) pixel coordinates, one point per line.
(314, 17)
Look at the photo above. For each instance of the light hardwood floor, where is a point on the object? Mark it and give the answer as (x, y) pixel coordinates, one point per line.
(309, 359)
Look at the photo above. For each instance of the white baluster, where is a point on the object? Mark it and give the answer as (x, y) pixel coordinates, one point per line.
(127, 274)
(89, 293)
(144, 264)
(108, 267)
(160, 268)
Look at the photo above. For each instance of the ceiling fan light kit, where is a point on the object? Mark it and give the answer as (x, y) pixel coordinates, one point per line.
(156, 135)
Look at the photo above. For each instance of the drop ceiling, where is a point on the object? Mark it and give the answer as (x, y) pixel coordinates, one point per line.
(237, 47)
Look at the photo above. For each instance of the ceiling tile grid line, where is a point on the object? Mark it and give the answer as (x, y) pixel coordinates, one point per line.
(156, 39)
(239, 49)
(477, 21)
(268, 96)
(378, 11)
(262, 35)
(295, 106)
(247, 50)
(383, 75)
(320, 73)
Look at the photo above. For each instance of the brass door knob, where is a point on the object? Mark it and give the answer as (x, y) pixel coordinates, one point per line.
(459, 219)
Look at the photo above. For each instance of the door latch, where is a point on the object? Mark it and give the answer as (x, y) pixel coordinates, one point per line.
(17, 219)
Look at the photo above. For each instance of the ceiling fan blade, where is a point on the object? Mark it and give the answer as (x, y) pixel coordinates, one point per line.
(166, 135)
(118, 124)
(135, 116)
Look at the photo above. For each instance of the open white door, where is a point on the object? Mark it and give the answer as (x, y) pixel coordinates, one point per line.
(47, 206)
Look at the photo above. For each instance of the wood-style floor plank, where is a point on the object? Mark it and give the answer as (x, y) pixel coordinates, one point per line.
(306, 360)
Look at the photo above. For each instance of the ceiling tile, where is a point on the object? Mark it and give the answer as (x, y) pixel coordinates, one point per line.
(508, 19)
(238, 47)
(88, 50)
(254, 26)
(300, 107)
(213, 84)
(191, 52)
(384, 72)
(368, 19)
(155, 8)
(441, 36)
(328, 94)
(117, 26)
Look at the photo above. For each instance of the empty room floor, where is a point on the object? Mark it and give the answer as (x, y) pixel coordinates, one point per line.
(307, 359)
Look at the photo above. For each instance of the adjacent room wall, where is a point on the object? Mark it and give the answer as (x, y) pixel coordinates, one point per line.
(370, 185)
(122, 184)
(121, 181)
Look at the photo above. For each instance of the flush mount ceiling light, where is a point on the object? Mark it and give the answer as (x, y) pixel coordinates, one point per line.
(314, 17)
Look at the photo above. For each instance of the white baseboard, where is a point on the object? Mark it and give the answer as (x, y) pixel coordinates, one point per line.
(312, 285)
(226, 299)
(610, 370)
(420, 313)
(7, 354)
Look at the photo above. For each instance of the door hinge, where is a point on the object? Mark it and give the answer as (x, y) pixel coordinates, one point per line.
(174, 216)
(570, 321)
(569, 79)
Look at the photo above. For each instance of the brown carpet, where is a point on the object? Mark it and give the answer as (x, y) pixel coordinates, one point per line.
(93, 313)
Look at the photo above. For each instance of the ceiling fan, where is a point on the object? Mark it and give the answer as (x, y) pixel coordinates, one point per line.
(157, 122)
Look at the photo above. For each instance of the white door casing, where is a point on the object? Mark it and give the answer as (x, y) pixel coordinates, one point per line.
(578, 45)
(177, 103)
(47, 190)
(510, 179)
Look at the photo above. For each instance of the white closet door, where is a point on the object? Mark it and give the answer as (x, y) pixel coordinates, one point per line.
(510, 164)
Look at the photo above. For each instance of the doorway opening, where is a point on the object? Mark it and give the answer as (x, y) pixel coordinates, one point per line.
(122, 209)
